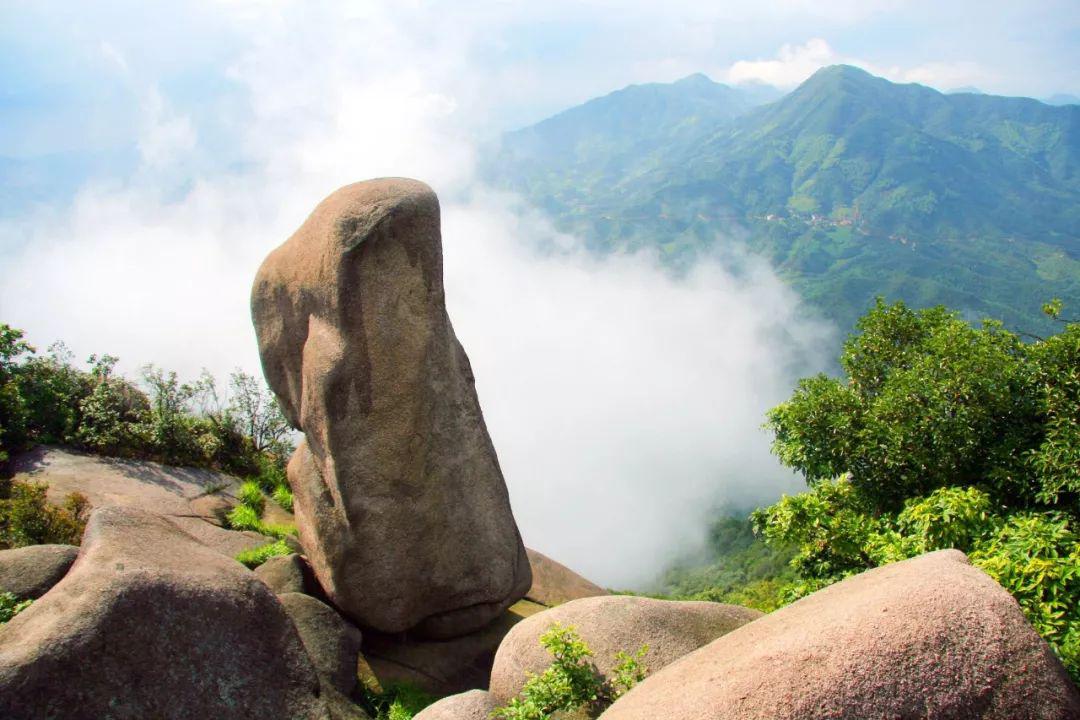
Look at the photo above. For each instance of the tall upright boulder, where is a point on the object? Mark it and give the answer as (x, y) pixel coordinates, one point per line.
(399, 498)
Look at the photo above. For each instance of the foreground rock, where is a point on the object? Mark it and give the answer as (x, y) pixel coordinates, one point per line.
(554, 584)
(931, 637)
(442, 667)
(149, 623)
(332, 644)
(289, 574)
(401, 505)
(29, 572)
(472, 705)
(610, 624)
(195, 499)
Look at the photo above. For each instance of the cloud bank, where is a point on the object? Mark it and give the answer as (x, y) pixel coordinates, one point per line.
(625, 403)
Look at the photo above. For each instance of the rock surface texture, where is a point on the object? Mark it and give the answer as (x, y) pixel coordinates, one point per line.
(472, 705)
(609, 624)
(554, 584)
(932, 637)
(399, 498)
(29, 572)
(193, 498)
(150, 623)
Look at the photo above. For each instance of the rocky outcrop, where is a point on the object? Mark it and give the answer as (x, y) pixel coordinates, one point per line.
(332, 643)
(400, 502)
(442, 667)
(611, 624)
(151, 623)
(554, 584)
(194, 499)
(29, 572)
(289, 574)
(931, 637)
(472, 705)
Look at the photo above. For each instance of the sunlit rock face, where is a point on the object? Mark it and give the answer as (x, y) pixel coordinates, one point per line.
(399, 498)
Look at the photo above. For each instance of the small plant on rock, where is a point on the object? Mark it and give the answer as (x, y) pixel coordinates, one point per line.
(10, 606)
(572, 681)
(257, 556)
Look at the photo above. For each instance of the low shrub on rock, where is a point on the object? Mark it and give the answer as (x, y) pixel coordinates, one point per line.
(257, 556)
(27, 518)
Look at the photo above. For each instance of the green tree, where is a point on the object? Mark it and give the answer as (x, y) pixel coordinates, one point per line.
(941, 435)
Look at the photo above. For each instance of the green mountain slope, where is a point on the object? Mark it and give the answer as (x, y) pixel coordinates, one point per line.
(853, 186)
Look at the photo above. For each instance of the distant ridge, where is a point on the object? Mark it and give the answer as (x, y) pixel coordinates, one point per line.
(852, 185)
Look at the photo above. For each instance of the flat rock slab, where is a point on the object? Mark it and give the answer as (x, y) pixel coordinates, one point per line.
(195, 498)
(932, 637)
(150, 623)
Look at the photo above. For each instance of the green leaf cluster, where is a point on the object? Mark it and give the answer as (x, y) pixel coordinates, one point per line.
(941, 435)
(572, 681)
(10, 606)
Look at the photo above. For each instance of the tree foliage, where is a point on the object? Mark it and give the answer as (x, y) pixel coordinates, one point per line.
(941, 435)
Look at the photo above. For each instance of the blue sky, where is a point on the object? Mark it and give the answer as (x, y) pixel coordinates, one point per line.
(151, 154)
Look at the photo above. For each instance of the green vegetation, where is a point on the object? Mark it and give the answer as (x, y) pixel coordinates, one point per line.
(10, 606)
(572, 682)
(47, 399)
(26, 518)
(257, 556)
(850, 185)
(398, 701)
(940, 435)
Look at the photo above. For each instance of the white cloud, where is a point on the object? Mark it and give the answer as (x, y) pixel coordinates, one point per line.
(795, 63)
(792, 65)
(624, 403)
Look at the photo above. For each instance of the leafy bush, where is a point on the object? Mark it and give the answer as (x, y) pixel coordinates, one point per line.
(941, 436)
(27, 518)
(244, 517)
(283, 497)
(572, 681)
(257, 556)
(251, 496)
(10, 606)
(398, 701)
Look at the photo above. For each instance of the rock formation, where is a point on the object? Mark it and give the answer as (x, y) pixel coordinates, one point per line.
(554, 584)
(150, 623)
(400, 502)
(472, 705)
(29, 572)
(931, 637)
(609, 624)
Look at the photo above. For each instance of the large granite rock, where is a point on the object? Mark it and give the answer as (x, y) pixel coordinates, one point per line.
(471, 705)
(29, 572)
(400, 502)
(554, 584)
(150, 623)
(332, 643)
(931, 637)
(611, 624)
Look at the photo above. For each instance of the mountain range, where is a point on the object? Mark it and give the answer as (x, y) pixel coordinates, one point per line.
(852, 186)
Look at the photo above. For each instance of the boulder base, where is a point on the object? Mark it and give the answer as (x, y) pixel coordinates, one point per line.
(29, 572)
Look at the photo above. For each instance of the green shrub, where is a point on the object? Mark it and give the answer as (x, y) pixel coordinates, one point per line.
(10, 606)
(27, 518)
(572, 680)
(283, 497)
(257, 556)
(244, 517)
(251, 495)
(398, 701)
